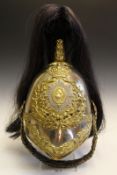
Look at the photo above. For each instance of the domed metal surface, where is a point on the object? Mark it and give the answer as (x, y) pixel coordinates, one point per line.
(57, 117)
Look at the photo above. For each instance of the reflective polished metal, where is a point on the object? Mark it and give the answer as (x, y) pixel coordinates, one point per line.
(57, 118)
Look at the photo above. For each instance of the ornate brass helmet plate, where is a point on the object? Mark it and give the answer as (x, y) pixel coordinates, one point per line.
(57, 117)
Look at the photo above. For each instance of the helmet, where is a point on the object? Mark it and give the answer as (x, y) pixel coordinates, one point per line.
(57, 117)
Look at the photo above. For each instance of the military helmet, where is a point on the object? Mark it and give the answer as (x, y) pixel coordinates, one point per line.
(57, 117)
